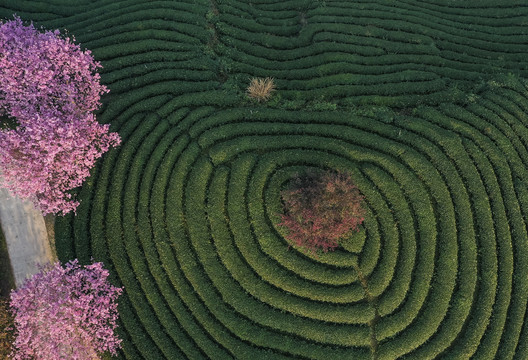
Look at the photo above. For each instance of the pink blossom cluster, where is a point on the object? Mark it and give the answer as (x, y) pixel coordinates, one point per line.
(65, 312)
(321, 210)
(49, 88)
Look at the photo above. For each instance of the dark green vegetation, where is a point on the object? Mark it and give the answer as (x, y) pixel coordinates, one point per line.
(423, 102)
(7, 280)
(6, 329)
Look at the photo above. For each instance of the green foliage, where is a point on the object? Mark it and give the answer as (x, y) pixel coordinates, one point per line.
(7, 280)
(419, 112)
(8, 123)
(7, 328)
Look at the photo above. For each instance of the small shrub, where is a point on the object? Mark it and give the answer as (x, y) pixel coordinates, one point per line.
(261, 89)
(7, 336)
(321, 210)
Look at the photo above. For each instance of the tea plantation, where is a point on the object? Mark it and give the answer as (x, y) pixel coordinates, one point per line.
(425, 103)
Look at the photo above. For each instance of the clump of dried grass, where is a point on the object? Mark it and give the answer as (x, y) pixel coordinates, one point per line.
(261, 89)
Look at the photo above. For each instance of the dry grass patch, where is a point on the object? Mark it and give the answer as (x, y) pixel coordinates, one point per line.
(261, 89)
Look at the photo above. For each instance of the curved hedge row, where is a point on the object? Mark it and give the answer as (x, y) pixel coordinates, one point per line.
(183, 213)
(193, 205)
(365, 52)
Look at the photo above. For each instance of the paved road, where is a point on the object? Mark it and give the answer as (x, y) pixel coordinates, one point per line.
(26, 236)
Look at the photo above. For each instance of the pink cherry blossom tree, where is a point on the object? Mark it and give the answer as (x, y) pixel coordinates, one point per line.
(65, 312)
(50, 138)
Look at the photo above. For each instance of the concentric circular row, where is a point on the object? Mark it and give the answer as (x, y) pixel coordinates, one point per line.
(185, 213)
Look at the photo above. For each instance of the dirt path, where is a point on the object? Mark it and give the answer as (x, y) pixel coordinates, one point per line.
(26, 236)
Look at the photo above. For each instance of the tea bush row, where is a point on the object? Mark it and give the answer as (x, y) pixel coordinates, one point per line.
(123, 162)
(505, 255)
(145, 140)
(245, 242)
(501, 174)
(295, 51)
(183, 212)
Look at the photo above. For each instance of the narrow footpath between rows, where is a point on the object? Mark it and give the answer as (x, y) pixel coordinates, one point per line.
(26, 236)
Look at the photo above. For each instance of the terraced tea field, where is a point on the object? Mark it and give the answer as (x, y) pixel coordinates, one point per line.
(424, 102)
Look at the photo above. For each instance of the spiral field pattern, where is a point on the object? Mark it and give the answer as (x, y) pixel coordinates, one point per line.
(424, 103)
